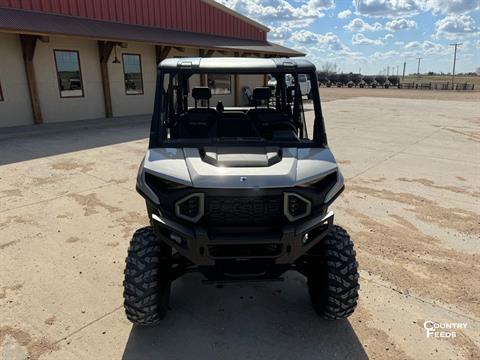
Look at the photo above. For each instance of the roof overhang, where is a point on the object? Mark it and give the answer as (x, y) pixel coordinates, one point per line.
(28, 22)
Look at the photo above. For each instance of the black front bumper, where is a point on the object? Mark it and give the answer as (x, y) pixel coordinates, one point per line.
(204, 248)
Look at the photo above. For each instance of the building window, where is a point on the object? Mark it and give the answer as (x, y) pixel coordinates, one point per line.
(69, 73)
(132, 69)
(1, 93)
(220, 84)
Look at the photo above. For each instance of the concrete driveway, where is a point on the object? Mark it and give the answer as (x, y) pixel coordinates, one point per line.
(68, 208)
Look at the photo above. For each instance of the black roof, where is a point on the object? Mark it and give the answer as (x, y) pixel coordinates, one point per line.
(237, 65)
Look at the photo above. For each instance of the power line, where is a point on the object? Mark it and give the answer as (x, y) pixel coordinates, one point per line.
(454, 60)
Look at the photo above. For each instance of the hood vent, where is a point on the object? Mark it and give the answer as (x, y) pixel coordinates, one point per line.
(241, 156)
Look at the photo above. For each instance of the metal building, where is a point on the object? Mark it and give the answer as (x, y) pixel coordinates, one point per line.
(65, 60)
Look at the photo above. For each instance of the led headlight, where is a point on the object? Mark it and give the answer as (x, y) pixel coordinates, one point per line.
(295, 206)
(191, 207)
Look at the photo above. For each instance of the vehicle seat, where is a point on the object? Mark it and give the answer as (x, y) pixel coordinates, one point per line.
(266, 119)
(198, 122)
(237, 124)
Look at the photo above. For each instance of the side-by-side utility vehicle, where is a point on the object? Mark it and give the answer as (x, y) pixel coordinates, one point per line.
(238, 193)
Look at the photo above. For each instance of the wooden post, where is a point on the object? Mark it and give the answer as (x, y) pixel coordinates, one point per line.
(161, 52)
(204, 53)
(265, 76)
(201, 53)
(237, 84)
(29, 43)
(105, 49)
(107, 96)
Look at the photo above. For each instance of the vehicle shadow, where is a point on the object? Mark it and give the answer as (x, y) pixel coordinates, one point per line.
(30, 142)
(243, 321)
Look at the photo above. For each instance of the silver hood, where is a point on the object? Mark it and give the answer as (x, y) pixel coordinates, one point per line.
(186, 166)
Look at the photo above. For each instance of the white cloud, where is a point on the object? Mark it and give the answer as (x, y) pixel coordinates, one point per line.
(344, 14)
(376, 23)
(400, 24)
(322, 4)
(431, 48)
(360, 39)
(328, 41)
(322, 46)
(456, 27)
(412, 45)
(382, 55)
(275, 12)
(388, 8)
(305, 37)
(449, 7)
(425, 48)
(280, 33)
(358, 25)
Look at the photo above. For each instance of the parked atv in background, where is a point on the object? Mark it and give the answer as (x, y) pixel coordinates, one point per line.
(238, 193)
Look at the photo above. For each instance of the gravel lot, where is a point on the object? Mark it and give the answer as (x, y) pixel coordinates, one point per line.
(412, 204)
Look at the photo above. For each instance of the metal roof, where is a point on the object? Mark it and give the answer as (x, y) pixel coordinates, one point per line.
(200, 16)
(237, 65)
(236, 14)
(29, 22)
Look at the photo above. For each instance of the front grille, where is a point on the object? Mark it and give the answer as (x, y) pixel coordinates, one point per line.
(250, 250)
(239, 211)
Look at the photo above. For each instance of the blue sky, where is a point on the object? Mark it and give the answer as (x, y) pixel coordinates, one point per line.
(372, 35)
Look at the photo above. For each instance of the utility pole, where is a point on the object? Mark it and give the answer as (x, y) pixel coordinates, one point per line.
(454, 61)
(418, 69)
(397, 69)
(404, 66)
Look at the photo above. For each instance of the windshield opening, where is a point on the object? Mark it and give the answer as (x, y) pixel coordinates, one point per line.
(219, 108)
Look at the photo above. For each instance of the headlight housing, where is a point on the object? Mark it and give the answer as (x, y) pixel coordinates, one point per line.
(336, 188)
(191, 207)
(295, 206)
(161, 183)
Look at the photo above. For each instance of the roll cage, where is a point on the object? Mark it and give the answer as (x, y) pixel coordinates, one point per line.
(172, 99)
